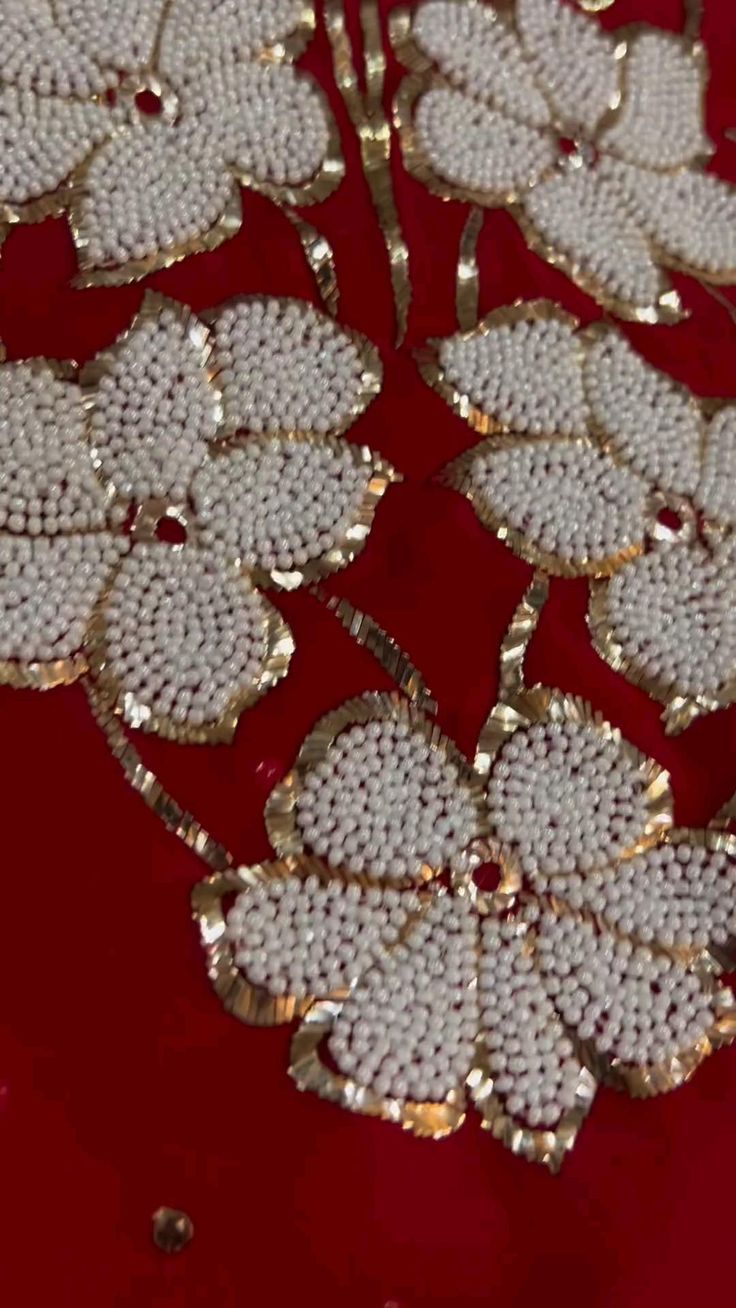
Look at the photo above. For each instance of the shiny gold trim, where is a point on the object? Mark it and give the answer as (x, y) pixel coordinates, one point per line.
(146, 783)
(458, 475)
(485, 902)
(293, 45)
(366, 632)
(279, 649)
(374, 136)
(374, 706)
(321, 259)
(508, 315)
(41, 676)
(595, 6)
(541, 704)
(680, 709)
(250, 1003)
(537, 1146)
(519, 636)
(429, 1120)
(92, 275)
(467, 288)
(370, 359)
(327, 178)
(381, 476)
(51, 205)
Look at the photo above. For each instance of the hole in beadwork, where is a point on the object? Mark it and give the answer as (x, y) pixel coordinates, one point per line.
(487, 878)
(670, 519)
(148, 103)
(170, 530)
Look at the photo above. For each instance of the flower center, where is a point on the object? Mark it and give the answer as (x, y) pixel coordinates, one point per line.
(156, 520)
(171, 530)
(145, 96)
(487, 878)
(149, 103)
(575, 153)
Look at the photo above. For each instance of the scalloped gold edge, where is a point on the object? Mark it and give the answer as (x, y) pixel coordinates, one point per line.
(373, 706)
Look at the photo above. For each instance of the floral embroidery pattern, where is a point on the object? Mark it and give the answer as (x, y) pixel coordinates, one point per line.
(181, 428)
(142, 118)
(594, 141)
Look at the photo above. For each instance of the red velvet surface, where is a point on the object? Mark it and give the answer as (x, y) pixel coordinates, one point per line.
(123, 1084)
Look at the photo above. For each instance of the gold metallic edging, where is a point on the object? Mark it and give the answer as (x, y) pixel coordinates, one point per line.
(374, 706)
(372, 128)
(680, 709)
(279, 647)
(536, 1146)
(145, 782)
(466, 287)
(366, 632)
(320, 256)
(428, 1120)
(36, 675)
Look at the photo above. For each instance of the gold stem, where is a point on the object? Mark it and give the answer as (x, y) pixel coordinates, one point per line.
(467, 289)
(320, 257)
(518, 636)
(366, 632)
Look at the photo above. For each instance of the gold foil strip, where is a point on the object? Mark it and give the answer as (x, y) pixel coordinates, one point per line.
(176, 819)
(693, 18)
(321, 259)
(549, 1147)
(279, 647)
(374, 136)
(374, 706)
(41, 676)
(519, 635)
(307, 1069)
(595, 6)
(679, 709)
(467, 288)
(366, 632)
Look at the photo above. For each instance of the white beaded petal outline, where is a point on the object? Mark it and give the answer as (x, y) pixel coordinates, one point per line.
(526, 1000)
(177, 639)
(143, 189)
(588, 449)
(594, 141)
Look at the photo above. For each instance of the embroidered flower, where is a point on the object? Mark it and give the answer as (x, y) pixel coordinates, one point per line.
(144, 116)
(595, 463)
(227, 439)
(585, 962)
(594, 141)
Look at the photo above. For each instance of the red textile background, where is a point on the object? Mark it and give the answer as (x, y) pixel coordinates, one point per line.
(123, 1084)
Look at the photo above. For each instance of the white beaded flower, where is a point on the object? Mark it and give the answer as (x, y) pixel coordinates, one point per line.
(595, 464)
(143, 116)
(587, 963)
(224, 437)
(594, 141)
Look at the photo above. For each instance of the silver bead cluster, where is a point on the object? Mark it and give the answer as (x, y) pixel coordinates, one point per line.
(408, 1029)
(284, 366)
(474, 147)
(479, 54)
(563, 798)
(274, 127)
(679, 896)
(526, 375)
(531, 1059)
(630, 1003)
(184, 636)
(37, 56)
(673, 611)
(279, 503)
(644, 414)
(41, 141)
(300, 938)
(47, 478)
(572, 58)
(716, 492)
(658, 125)
(152, 188)
(118, 35)
(692, 215)
(385, 802)
(589, 222)
(569, 500)
(48, 589)
(154, 411)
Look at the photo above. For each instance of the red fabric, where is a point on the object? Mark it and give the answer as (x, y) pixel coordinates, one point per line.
(123, 1084)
